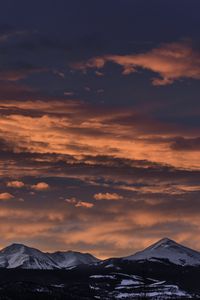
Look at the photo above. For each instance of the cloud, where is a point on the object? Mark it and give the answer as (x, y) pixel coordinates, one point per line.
(82, 150)
(171, 62)
(7, 33)
(19, 72)
(6, 196)
(186, 144)
(99, 74)
(189, 188)
(15, 184)
(40, 186)
(102, 228)
(84, 204)
(78, 203)
(72, 200)
(108, 196)
(79, 129)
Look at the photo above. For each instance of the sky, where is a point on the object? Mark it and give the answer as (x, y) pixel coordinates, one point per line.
(99, 124)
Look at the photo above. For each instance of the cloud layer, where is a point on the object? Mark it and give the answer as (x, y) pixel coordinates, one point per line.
(99, 124)
(99, 176)
(171, 62)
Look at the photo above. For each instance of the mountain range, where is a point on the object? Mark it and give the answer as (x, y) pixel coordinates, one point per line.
(164, 270)
(21, 256)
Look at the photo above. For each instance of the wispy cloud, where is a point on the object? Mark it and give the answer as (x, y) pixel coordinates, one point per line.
(6, 196)
(77, 129)
(79, 203)
(120, 159)
(186, 144)
(84, 204)
(108, 196)
(171, 62)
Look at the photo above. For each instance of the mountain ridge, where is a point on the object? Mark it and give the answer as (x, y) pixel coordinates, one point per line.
(19, 255)
(169, 250)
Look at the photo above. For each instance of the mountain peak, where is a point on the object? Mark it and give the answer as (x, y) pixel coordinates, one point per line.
(167, 249)
(164, 242)
(19, 255)
(15, 247)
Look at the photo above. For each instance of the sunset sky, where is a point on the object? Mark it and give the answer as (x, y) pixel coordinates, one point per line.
(99, 124)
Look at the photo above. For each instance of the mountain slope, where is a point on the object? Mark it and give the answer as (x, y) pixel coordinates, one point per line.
(21, 256)
(167, 249)
(71, 258)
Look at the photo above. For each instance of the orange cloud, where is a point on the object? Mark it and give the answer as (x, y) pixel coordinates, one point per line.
(107, 196)
(84, 204)
(78, 203)
(170, 61)
(104, 230)
(71, 200)
(15, 184)
(40, 186)
(79, 129)
(6, 196)
(15, 75)
(160, 188)
(114, 148)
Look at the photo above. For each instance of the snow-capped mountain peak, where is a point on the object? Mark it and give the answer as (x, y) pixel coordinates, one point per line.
(22, 256)
(13, 248)
(167, 249)
(164, 244)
